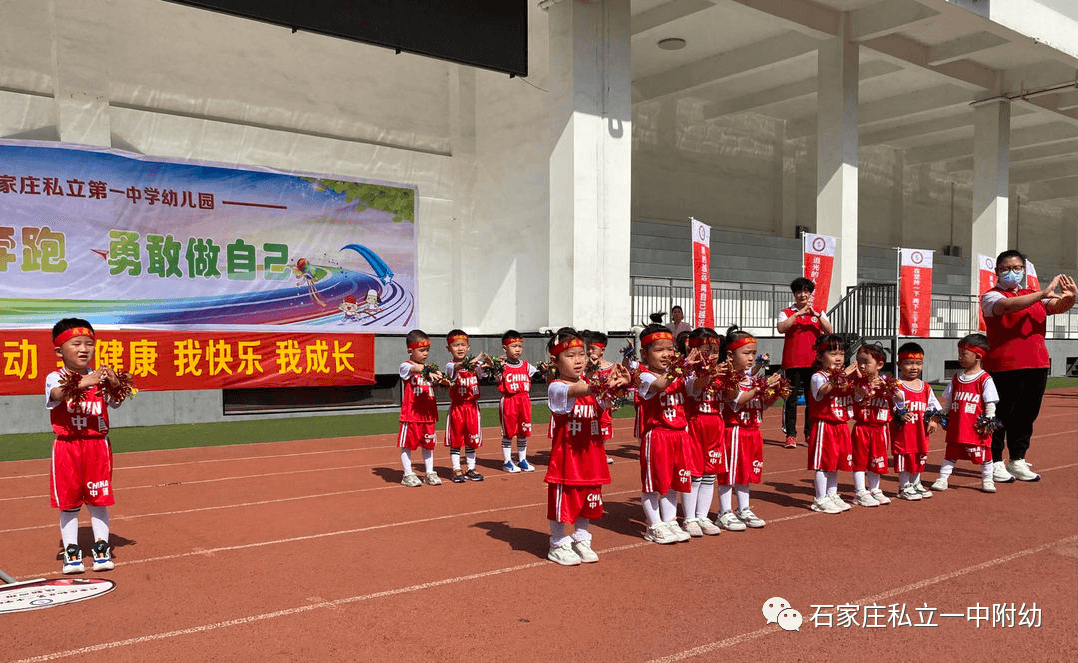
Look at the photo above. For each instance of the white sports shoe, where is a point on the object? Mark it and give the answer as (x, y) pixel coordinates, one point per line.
(824, 505)
(864, 498)
(660, 533)
(842, 504)
(707, 527)
(922, 491)
(750, 519)
(676, 530)
(910, 493)
(563, 555)
(693, 527)
(939, 484)
(411, 480)
(988, 486)
(880, 497)
(584, 552)
(1000, 473)
(1020, 469)
(729, 521)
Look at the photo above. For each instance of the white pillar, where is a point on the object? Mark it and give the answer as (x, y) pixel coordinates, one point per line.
(836, 149)
(80, 80)
(991, 142)
(590, 165)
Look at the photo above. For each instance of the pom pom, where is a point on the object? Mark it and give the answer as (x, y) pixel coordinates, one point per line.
(495, 370)
(840, 382)
(603, 390)
(900, 411)
(547, 370)
(428, 374)
(123, 389)
(70, 391)
(986, 425)
(629, 351)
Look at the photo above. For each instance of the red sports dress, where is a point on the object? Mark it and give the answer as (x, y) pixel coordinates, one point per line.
(419, 410)
(909, 441)
(830, 444)
(577, 468)
(462, 427)
(664, 440)
(744, 445)
(81, 468)
(515, 409)
(871, 434)
(706, 431)
(967, 396)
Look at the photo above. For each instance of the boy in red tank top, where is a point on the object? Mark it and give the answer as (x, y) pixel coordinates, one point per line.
(910, 428)
(970, 396)
(419, 410)
(515, 409)
(462, 426)
(81, 467)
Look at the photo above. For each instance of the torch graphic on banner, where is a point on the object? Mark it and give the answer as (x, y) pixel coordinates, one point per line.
(915, 292)
(819, 251)
(986, 269)
(703, 314)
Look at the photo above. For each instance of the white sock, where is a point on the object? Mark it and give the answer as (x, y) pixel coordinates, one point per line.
(507, 450)
(903, 479)
(428, 460)
(581, 532)
(916, 478)
(69, 527)
(557, 534)
(873, 482)
(454, 458)
(688, 500)
(986, 471)
(406, 461)
(706, 496)
(668, 507)
(742, 490)
(522, 449)
(832, 482)
(946, 468)
(99, 520)
(820, 481)
(469, 454)
(651, 507)
(724, 499)
(858, 482)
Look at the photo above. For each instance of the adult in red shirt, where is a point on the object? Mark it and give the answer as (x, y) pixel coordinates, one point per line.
(1017, 358)
(802, 325)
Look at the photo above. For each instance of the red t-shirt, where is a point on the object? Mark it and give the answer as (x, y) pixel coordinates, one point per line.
(967, 404)
(798, 350)
(577, 455)
(1016, 340)
(418, 403)
(87, 419)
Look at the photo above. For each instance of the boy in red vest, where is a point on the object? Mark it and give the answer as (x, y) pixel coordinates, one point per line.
(515, 409)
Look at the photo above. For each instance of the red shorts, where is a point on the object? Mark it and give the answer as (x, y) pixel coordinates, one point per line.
(606, 425)
(708, 457)
(744, 456)
(564, 504)
(976, 453)
(81, 473)
(515, 413)
(914, 463)
(830, 447)
(871, 446)
(462, 427)
(413, 435)
(662, 461)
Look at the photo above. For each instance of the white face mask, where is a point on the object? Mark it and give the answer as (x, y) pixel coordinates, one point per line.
(1011, 280)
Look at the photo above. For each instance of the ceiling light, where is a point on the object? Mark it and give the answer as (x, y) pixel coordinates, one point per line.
(672, 44)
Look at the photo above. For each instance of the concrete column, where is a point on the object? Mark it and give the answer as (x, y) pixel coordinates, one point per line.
(991, 142)
(80, 80)
(836, 171)
(590, 164)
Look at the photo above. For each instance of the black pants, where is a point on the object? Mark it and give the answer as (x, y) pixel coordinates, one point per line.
(1020, 394)
(799, 383)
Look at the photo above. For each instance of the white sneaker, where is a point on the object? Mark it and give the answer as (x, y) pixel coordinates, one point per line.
(707, 527)
(676, 530)
(1000, 473)
(729, 521)
(563, 555)
(988, 486)
(659, 533)
(864, 498)
(584, 552)
(1020, 469)
(432, 479)
(880, 497)
(750, 519)
(692, 527)
(939, 484)
(908, 492)
(922, 491)
(824, 505)
(842, 504)
(411, 480)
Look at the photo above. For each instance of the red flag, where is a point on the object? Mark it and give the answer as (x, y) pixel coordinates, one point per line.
(703, 313)
(1032, 282)
(819, 262)
(915, 292)
(987, 270)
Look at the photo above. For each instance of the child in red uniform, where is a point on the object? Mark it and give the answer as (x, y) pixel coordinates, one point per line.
(830, 406)
(970, 395)
(595, 345)
(743, 410)
(871, 433)
(802, 326)
(515, 409)
(81, 468)
(706, 429)
(462, 428)
(664, 439)
(909, 431)
(419, 411)
(577, 468)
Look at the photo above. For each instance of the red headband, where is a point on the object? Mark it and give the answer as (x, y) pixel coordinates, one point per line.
(980, 352)
(902, 356)
(656, 336)
(597, 344)
(65, 336)
(574, 342)
(695, 342)
(734, 345)
(512, 339)
(449, 340)
(422, 343)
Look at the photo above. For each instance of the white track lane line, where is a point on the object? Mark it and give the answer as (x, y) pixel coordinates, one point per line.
(768, 630)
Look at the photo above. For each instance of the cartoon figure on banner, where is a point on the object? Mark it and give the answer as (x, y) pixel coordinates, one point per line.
(352, 309)
(304, 274)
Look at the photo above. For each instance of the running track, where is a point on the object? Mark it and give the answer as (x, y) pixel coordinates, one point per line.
(310, 550)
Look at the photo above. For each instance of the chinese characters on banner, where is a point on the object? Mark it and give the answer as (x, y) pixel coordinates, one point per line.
(171, 360)
(915, 293)
(986, 268)
(819, 253)
(703, 311)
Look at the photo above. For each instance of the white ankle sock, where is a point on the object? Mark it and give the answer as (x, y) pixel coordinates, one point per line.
(725, 501)
(650, 501)
(668, 507)
(820, 481)
(706, 495)
(428, 460)
(858, 482)
(742, 490)
(69, 527)
(406, 461)
(99, 520)
(986, 471)
(581, 532)
(946, 468)
(873, 481)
